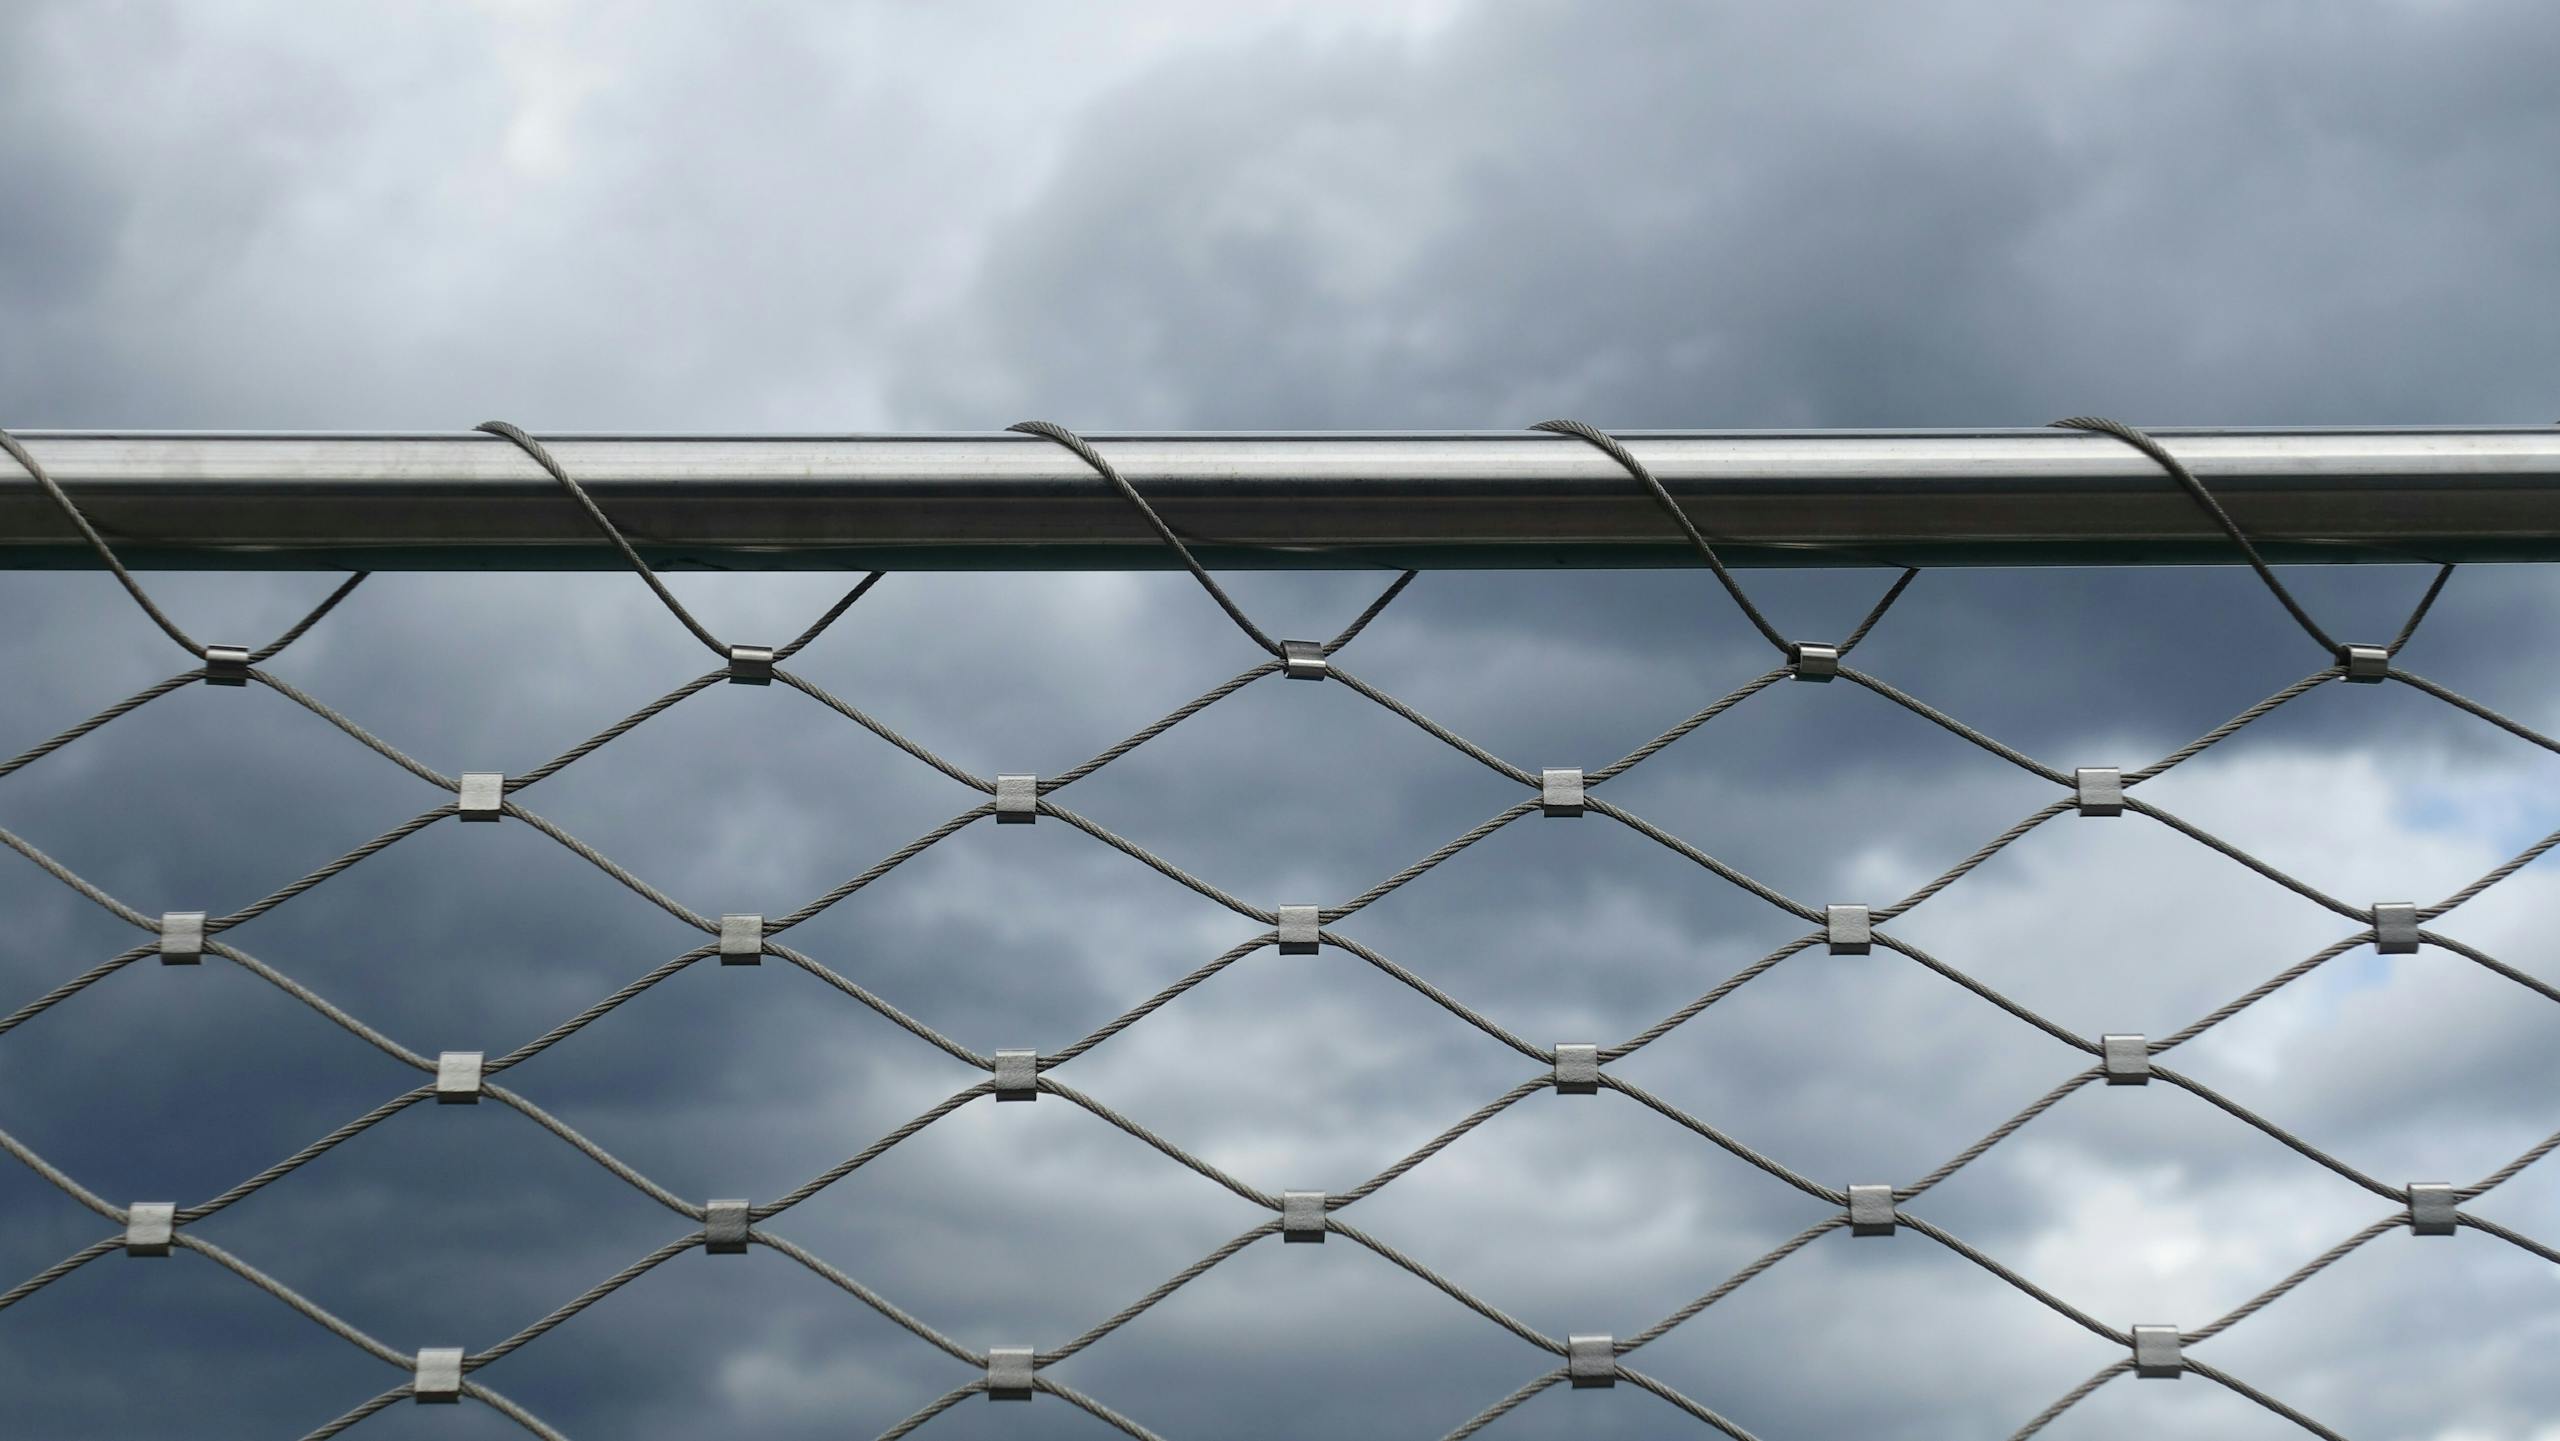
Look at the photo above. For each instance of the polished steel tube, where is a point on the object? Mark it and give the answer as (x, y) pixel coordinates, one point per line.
(1435, 500)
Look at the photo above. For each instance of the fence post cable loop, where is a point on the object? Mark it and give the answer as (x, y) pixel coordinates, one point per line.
(2178, 471)
(53, 491)
(1616, 450)
(1085, 452)
(2133, 436)
(542, 456)
(98, 543)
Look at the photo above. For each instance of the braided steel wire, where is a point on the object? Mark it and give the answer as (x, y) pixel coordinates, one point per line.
(697, 1220)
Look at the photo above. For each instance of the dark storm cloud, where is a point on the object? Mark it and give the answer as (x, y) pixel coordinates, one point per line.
(1667, 215)
(1648, 215)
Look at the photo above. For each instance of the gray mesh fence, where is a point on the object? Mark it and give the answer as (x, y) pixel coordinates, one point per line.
(1886, 1208)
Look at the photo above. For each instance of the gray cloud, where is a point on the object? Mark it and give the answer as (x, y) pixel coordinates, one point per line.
(1856, 215)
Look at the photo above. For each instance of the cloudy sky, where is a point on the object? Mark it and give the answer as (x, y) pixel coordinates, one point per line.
(776, 216)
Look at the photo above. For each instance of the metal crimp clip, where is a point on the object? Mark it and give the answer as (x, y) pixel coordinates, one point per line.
(741, 940)
(1560, 792)
(2395, 928)
(724, 1228)
(1870, 1210)
(1009, 1373)
(2125, 1059)
(1591, 1361)
(458, 1078)
(439, 1375)
(2101, 790)
(1017, 1075)
(482, 795)
(1300, 930)
(1849, 929)
(2155, 1353)
(1017, 800)
(1578, 1069)
(750, 665)
(2431, 1208)
(182, 938)
(148, 1225)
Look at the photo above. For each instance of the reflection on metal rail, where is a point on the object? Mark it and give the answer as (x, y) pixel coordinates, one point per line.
(466, 500)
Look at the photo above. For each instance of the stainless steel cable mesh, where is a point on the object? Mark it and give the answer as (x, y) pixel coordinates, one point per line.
(1585, 1361)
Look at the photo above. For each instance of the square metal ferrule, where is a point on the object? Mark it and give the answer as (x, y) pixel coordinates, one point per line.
(458, 1078)
(1009, 1373)
(741, 940)
(1560, 792)
(1302, 1216)
(1300, 930)
(1017, 800)
(724, 1228)
(2100, 790)
(750, 665)
(1578, 1069)
(2126, 1060)
(1850, 930)
(148, 1227)
(482, 795)
(1017, 1075)
(2395, 928)
(1591, 1361)
(2431, 1208)
(2155, 1353)
(2364, 664)
(1870, 1210)
(182, 938)
(439, 1375)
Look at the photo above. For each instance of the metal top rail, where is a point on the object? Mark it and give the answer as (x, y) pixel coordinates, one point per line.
(1442, 500)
